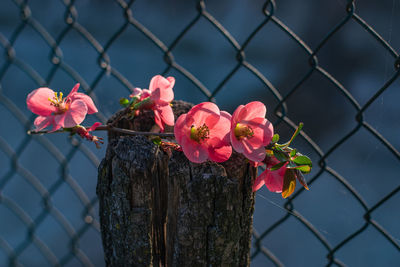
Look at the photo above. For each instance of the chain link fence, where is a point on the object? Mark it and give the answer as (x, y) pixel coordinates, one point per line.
(340, 79)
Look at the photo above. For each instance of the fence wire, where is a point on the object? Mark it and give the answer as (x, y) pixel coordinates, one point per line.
(10, 60)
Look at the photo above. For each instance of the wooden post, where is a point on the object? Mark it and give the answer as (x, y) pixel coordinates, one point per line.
(159, 209)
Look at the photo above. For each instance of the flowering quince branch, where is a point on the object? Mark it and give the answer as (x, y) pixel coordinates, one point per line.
(204, 133)
(105, 128)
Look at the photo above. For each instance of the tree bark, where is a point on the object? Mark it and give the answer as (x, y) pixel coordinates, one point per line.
(159, 209)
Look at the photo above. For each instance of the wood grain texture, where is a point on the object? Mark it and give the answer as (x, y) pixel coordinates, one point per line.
(159, 209)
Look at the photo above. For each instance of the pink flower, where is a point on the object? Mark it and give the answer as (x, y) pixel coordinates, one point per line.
(161, 92)
(250, 131)
(203, 133)
(57, 111)
(140, 94)
(158, 98)
(273, 180)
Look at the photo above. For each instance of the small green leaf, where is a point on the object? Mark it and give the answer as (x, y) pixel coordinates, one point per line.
(289, 183)
(275, 138)
(280, 155)
(298, 129)
(293, 153)
(124, 102)
(303, 160)
(277, 166)
(303, 168)
(156, 140)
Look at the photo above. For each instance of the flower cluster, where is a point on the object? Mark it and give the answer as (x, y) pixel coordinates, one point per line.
(157, 98)
(204, 133)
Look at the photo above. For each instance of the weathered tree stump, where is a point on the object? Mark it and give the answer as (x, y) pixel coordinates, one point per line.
(159, 209)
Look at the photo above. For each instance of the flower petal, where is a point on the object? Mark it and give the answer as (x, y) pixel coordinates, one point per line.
(260, 180)
(158, 121)
(263, 131)
(38, 101)
(42, 122)
(145, 93)
(180, 128)
(166, 114)
(236, 144)
(91, 108)
(161, 89)
(219, 147)
(75, 115)
(274, 180)
(222, 128)
(254, 109)
(252, 153)
(94, 126)
(194, 151)
(74, 89)
(136, 92)
(235, 115)
(59, 121)
(204, 113)
(219, 150)
(55, 127)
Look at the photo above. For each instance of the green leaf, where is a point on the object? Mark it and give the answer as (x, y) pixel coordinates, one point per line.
(124, 102)
(303, 168)
(303, 160)
(277, 166)
(293, 153)
(156, 140)
(300, 178)
(275, 138)
(289, 183)
(298, 129)
(280, 155)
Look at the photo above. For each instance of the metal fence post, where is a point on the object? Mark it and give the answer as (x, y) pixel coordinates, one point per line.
(157, 208)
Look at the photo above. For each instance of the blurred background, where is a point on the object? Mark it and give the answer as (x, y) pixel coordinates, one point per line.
(333, 65)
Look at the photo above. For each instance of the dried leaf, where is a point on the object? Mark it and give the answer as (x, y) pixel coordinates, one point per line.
(289, 183)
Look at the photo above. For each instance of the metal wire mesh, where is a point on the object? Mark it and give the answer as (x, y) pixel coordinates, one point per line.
(58, 63)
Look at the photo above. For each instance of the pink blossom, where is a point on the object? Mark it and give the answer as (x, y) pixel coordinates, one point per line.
(161, 89)
(163, 114)
(203, 133)
(57, 111)
(250, 131)
(140, 94)
(273, 180)
(158, 98)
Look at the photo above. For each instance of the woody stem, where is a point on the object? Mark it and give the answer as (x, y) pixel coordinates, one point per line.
(108, 128)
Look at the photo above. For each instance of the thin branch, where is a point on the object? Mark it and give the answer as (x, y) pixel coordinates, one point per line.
(106, 128)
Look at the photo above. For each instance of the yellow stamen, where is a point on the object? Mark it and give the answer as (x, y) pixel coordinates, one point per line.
(199, 134)
(242, 131)
(58, 102)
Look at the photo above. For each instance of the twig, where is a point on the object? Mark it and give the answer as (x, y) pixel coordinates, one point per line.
(107, 128)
